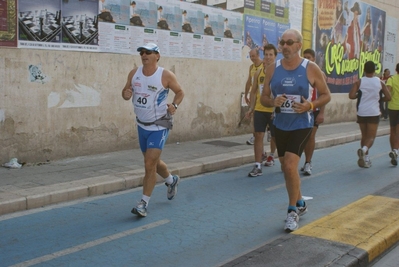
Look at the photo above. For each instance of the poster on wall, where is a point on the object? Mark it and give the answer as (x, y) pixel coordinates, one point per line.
(8, 23)
(347, 35)
(39, 24)
(80, 25)
(390, 44)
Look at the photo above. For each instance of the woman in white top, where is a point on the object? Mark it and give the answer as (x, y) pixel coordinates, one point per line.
(367, 92)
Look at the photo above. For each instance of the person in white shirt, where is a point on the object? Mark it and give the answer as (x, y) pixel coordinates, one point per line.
(367, 92)
(148, 87)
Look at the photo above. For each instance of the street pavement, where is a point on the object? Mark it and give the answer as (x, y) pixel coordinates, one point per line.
(42, 184)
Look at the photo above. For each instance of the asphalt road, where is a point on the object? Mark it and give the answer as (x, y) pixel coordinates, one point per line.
(215, 217)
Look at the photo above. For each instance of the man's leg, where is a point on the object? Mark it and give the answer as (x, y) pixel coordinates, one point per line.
(151, 160)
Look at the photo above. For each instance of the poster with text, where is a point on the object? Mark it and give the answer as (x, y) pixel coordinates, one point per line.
(142, 13)
(39, 24)
(8, 23)
(232, 25)
(390, 44)
(253, 31)
(113, 11)
(348, 34)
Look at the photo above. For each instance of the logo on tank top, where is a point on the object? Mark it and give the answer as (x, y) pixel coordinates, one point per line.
(152, 88)
(262, 79)
(289, 81)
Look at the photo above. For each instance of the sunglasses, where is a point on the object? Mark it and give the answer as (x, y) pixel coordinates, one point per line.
(147, 52)
(288, 42)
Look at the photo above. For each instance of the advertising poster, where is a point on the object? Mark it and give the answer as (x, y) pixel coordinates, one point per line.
(235, 5)
(80, 25)
(390, 44)
(113, 11)
(232, 25)
(277, 10)
(253, 31)
(8, 23)
(192, 19)
(269, 33)
(348, 35)
(169, 15)
(140, 13)
(39, 24)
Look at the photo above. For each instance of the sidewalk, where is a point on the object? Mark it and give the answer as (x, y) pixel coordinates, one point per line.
(70, 179)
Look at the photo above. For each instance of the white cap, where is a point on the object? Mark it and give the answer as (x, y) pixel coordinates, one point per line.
(149, 47)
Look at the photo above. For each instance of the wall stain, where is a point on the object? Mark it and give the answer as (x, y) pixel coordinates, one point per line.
(206, 119)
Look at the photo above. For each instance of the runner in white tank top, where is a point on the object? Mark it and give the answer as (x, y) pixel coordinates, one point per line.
(149, 85)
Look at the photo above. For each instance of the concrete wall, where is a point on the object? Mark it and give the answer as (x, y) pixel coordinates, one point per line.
(75, 107)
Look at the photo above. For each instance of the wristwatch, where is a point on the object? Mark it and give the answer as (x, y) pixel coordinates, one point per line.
(173, 104)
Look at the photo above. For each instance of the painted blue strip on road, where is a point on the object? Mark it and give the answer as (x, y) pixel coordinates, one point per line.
(89, 244)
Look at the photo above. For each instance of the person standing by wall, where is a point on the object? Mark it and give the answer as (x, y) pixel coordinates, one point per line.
(393, 112)
(255, 66)
(149, 86)
(318, 115)
(262, 115)
(384, 104)
(367, 92)
(288, 87)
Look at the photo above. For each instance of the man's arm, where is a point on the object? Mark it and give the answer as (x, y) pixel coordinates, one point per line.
(354, 89)
(387, 95)
(318, 81)
(248, 85)
(127, 91)
(253, 93)
(170, 81)
(266, 97)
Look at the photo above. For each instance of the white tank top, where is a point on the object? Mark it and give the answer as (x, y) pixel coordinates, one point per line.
(149, 98)
(368, 104)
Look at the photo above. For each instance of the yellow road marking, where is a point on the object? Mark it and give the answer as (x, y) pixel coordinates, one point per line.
(371, 223)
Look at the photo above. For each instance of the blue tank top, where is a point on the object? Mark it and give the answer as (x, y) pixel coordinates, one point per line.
(294, 84)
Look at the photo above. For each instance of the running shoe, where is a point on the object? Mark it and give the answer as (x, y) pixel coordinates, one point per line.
(394, 158)
(264, 157)
(251, 140)
(307, 169)
(367, 161)
(140, 209)
(360, 161)
(291, 223)
(172, 188)
(255, 172)
(270, 161)
(302, 210)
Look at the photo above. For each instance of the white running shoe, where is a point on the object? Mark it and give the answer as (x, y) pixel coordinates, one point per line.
(307, 169)
(172, 188)
(360, 161)
(251, 140)
(394, 158)
(291, 223)
(255, 172)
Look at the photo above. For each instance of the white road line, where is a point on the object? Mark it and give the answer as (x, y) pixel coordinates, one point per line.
(90, 244)
(303, 178)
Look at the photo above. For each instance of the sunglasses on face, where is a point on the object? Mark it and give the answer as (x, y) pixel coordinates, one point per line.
(288, 42)
(146, 52)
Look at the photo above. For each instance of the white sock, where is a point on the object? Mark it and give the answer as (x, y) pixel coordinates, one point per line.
(365, 148)
(169, 179)
(271, 155)
(146, 199)
(258, 165)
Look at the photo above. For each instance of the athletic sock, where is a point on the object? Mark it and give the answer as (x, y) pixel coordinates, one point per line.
(300, 203)
(365, 148)
(146, 199)
(258, 165)
(292, 208)
(169, 179)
